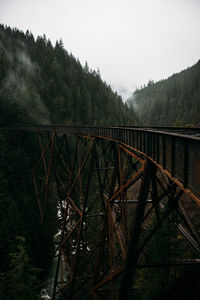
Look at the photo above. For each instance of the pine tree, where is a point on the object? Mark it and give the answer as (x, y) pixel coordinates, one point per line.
(21, 280)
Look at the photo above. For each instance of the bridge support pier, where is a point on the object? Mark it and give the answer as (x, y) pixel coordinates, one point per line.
(132, 252)
(120, 216)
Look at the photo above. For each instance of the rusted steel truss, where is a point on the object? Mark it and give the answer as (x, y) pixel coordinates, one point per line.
(113, 203)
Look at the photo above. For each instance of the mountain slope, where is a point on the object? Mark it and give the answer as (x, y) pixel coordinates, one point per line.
(174, 101)
(43, 84)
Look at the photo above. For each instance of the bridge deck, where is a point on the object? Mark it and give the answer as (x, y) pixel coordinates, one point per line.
(175, 149)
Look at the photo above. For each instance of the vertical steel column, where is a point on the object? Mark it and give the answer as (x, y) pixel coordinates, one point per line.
(132, 255)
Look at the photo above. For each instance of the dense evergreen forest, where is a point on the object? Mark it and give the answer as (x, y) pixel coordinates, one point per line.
(174, 101)
(39, 84)
(43, 84)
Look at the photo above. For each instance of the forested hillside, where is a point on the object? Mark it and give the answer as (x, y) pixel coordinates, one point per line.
(174, 101)
(39, 84)
(42, 84)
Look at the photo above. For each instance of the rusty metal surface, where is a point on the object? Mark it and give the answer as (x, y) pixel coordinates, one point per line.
(104, 235)
(176, 149)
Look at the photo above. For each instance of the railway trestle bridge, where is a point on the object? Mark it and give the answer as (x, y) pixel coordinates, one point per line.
(128, 205)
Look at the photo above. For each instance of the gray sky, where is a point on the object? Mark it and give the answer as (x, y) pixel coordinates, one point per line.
(130, 41)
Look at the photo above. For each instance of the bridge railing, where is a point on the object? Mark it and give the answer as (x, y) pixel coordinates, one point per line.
(175, 152)
(179, 154)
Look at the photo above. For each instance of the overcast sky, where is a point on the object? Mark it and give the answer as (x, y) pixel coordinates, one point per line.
(130, 41)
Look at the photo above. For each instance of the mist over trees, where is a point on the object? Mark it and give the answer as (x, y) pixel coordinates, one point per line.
(173, 101)
(44, 84)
